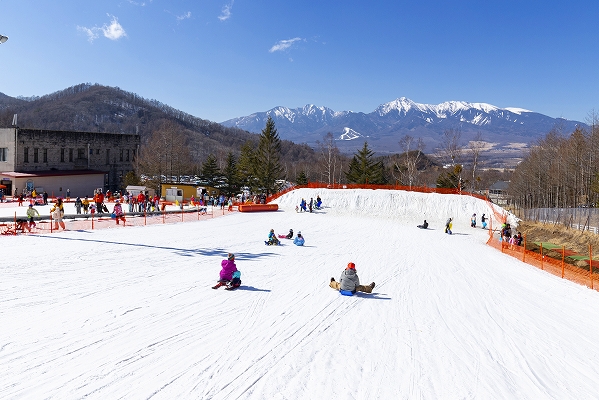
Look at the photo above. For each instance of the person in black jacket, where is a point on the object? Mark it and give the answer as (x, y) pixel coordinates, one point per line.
(424, 225)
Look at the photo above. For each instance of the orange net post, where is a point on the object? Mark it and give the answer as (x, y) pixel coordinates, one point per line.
(563, 256)
(591, 265)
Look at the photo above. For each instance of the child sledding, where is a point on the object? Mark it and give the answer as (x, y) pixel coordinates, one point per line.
(288, 236)
(230, 277)
(272, 239)
(349, 283)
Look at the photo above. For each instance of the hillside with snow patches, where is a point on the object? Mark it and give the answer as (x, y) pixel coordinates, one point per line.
(129, 312)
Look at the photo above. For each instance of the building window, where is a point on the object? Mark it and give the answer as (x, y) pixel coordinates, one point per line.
(121, 155)
(97, 151)
(45, 155)
(70, 155)
(35, 155)
(4, 154)
(62, 155)
(25, 154)
(127, 154)
(80, 153)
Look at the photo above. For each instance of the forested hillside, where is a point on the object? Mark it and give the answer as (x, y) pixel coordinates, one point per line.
(96, 108)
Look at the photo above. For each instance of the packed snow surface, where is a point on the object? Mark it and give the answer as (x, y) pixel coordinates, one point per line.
(130, 313)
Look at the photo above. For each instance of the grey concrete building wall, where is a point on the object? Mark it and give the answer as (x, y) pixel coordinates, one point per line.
(7, 149)
(43, 150)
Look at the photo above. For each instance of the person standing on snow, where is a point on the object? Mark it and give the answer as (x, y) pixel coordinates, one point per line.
(448, 226)
(350, 282)
(31, 212)
(119, 214)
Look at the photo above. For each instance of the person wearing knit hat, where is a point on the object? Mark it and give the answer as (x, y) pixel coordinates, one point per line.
(299, 240)
(272, 239)
(349, 283)
(227, 272)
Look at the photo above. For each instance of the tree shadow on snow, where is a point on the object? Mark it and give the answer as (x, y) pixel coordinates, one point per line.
(216, 252)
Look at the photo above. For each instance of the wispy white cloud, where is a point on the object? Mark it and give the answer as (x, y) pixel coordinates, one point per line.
(282, 45)
(92, 33)
(138, 3)
(112, 31)
(226, 12)
(187, 15)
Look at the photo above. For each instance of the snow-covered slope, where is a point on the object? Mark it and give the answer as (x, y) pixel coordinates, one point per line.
(129, 313)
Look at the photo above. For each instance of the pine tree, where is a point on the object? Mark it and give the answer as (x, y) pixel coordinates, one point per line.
(231, 175)
(268, 167)
(302, 179)
(246, 166)
(363, 169)
(210, 172)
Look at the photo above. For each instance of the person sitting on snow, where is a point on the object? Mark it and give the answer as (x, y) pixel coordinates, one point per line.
(423, 226)
(272, 238)
(290, 234)
(350, 282)
(228, 268)
(299, 240)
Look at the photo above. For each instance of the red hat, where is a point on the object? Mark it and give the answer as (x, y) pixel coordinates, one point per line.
(351, 265)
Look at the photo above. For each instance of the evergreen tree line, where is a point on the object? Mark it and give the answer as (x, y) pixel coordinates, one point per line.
(561, 170)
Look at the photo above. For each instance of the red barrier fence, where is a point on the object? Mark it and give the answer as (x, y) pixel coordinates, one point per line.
(104, 221)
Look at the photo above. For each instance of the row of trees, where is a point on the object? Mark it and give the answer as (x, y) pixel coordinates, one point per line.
(561, 170)
(166, 158)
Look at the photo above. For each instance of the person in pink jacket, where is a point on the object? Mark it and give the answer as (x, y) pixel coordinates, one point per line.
(226, 273)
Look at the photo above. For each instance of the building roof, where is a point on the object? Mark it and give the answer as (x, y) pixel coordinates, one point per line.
(39, 174)
(500, 185)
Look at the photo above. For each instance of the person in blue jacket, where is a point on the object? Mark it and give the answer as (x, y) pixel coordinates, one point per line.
(272, 239)
(299, 239)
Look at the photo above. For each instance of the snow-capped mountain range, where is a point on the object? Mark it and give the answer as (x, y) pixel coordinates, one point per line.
(388, 123)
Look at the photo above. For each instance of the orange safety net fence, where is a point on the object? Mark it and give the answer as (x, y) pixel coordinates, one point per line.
(104, 221)
(552, 261)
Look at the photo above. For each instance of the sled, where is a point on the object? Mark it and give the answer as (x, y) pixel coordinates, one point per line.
(346, 293)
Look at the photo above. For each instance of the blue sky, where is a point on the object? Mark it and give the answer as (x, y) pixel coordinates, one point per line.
(220, 59)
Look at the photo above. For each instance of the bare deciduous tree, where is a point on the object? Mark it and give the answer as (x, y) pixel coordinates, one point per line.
(476, 146)
(329, 155)
(412, 151)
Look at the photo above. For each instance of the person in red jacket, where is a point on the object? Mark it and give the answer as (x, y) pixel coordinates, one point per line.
(141, 200)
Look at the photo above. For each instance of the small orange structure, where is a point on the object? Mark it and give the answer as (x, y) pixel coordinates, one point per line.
(257, 207)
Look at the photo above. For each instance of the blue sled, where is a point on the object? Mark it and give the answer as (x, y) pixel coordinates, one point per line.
(346, 292)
